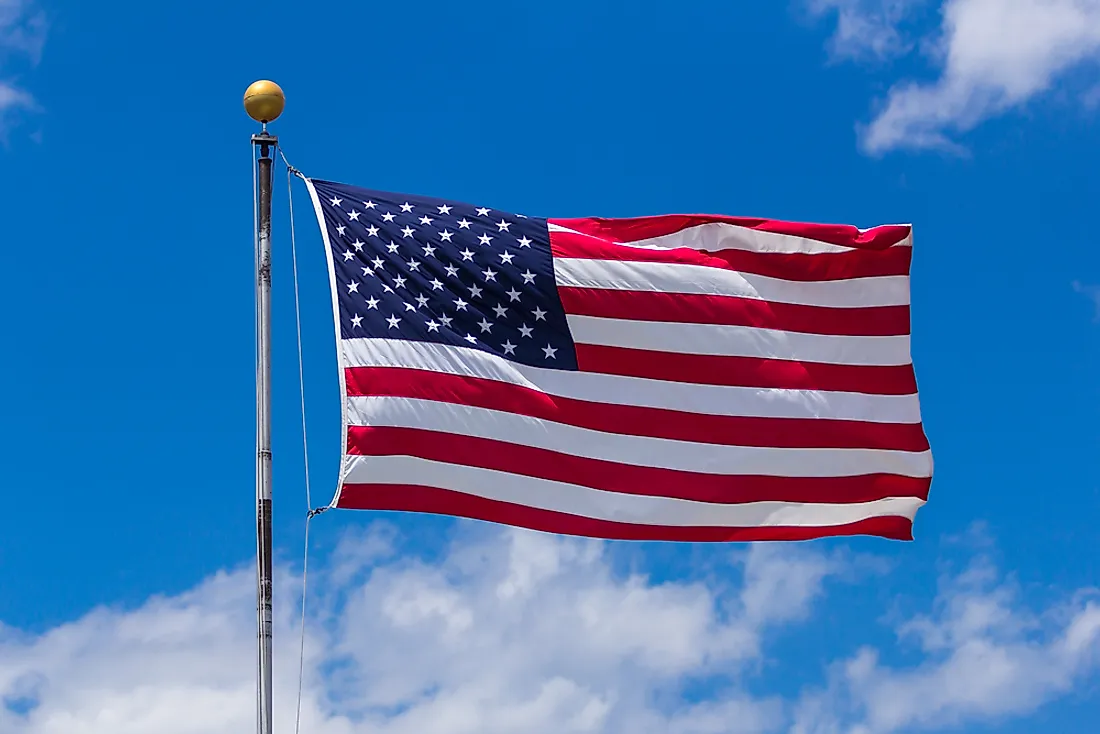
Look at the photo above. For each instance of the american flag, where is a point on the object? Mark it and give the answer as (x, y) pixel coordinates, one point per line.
(688, 378)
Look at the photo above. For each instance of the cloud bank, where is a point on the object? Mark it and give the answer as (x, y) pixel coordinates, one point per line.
(991, 56)
(514, 631)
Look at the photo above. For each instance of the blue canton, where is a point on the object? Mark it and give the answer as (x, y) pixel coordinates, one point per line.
(410, 267)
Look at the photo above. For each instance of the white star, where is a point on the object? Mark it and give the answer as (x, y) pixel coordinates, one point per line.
(348, 255)
(372, 231)
(446, 235)
(551, 352)
(444, 209)
(369, 204)
(353, 287)
(378, 262)
(426, 220)
(429, 250)
(475, 291)
(482, 211)
(372, 302)
(463, 224)
(336, 202)
(341, 229)
(410, 307)
(485, 239)
(467, 255)
(540, 315)
(460, 304)
(525, 330)
(406, 207)
(509, 347)
(392, 247)
(368, 271)
(524, 242)
(357, 244)
(451, 271)
(470, 338)
(422, 300)
(506, 257)
(356, 320)
(432, 326)
(485, 325)
(528, 277)
(436, 285)
(389, 217)
(399, 281)
(413, 265)
(354, 216)
(386, 288)
(513, 295)
(503, 226)
(445, 320)
(393, 321)
(489, 274)
(501, 311)
(407, 231)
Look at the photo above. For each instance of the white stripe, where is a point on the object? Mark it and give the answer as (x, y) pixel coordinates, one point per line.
(740, 341)
(724, 236)
(629, 275)
(658, 453)
(646, 393)
(613, 506)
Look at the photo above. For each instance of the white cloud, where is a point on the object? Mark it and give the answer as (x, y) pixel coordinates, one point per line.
(866, 29)
(986, 656)
(513, 632)
(22, 37)
(993, 56)
(516, 631)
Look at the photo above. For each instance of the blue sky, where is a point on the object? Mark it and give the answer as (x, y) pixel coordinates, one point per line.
(125, 577)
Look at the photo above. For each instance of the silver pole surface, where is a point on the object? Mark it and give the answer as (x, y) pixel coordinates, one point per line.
(263, 430)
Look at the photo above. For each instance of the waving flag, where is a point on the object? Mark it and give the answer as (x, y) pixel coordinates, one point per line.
(691, 378)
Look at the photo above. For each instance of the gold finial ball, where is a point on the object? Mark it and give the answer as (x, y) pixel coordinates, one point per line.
(264, 101)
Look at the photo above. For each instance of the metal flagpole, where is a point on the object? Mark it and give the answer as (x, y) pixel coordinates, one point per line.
(264, 102)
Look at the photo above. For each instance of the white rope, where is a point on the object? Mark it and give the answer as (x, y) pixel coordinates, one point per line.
(298, 325)
(302, 643)
(290, 170)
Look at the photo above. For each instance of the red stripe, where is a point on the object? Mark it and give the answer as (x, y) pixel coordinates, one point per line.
(412, 498)
(706, 369)
(642, 228)
(633, 420)
(796, 266)
(611, 476)
(695, 308)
